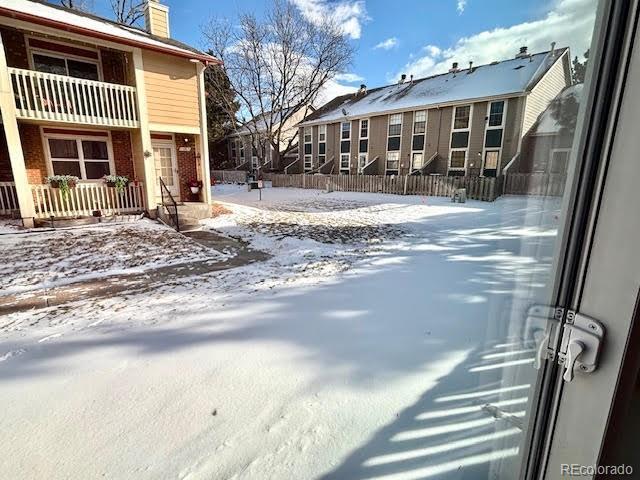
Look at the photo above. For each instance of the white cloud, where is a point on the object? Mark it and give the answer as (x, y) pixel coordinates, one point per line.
(461, 6)
(349, 14)
(331, 90)
(348, 77)
(387, 44)
(569, 23)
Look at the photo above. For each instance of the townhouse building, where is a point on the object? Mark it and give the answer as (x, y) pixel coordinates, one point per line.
(81, 95)
(465, 122)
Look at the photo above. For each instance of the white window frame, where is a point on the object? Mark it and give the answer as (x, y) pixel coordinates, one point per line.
(308, 131)
(413, 134)
(348, 157)
(255, 162)
(386, 162)
(54, 54)
(360, 130)
(486, 149)
(341, 131)
(78, 138)
(322, 130)
(361, 164)
(458, 149)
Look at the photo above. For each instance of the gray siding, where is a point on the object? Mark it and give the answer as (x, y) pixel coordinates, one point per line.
(405, 142)
(378, 140)
(476, 138)
(512, 130)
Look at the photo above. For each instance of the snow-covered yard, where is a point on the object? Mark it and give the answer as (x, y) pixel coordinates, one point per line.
(365, 347)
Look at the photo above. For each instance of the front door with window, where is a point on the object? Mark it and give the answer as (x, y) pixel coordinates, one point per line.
(490, 165)
(164, 155)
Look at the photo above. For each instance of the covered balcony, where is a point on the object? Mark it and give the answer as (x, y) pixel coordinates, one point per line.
(60, 98)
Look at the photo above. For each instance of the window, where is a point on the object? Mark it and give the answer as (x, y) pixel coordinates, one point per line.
(322, 133)
(241, 149)
(559, 160)
(234, 150)
(417, 142)
(362, 161)
(395, 130)
(307, 135)
(395, 125)
(60, 65)
(496, 113)
(344, 161)
(420, 122)
(458, 160)
(417, 161)
(364, 129)
(254, 162)
(393, 162)
(346, 131)
(459, 139)
(322, 159)
(308, 165)
(461, 118)
(493, 138)
(86, 158)
(491, 158)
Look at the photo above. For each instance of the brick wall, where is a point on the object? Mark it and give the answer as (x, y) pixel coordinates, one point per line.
(187, 165)
(33, 151)
(123, 153)
(15, 48)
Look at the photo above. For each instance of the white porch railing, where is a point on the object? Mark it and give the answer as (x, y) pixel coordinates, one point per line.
(85, 198)
(8, 198)
(45, 96)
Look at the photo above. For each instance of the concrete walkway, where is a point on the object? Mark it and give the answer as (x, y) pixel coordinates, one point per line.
(138, 282)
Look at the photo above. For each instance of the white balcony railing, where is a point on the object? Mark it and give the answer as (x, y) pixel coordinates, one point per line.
(8, 198)
(86, 198)
(45, 96)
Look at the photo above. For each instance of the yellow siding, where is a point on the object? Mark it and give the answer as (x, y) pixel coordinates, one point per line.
(172, 90)
(549, 86)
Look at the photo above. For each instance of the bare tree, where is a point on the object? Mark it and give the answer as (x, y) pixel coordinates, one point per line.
(128, 12)
(276, 66)
(82, 5)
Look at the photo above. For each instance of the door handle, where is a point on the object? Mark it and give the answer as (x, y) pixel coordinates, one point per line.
(574, 350)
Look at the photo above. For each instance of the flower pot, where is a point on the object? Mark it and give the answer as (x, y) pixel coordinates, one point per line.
(111, 184)
(195, 190)
(56, 184)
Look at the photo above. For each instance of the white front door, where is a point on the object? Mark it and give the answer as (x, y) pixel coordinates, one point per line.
(164, 155)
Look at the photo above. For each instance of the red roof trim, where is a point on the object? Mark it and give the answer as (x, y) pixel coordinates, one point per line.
(6, 12)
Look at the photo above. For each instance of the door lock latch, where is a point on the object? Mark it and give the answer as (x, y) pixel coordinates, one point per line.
(580, 343)
(580, 347)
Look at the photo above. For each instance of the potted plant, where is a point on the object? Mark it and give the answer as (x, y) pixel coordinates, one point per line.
(117, 181)
(64, 182)
(195, 186)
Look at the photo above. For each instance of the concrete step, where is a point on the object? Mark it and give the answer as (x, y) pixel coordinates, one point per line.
(195, 209)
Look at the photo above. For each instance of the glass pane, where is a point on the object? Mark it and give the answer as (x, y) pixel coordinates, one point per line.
(96, 169)
(494, 138)
(418, 142)
(66, 168)
(364, 146)
(307, 148)
(95, 150)
(88, 71)
(495, 114)
(44, 63)
(491, 160)
(458, 159)
(63, 148)
(461, 117)
(459, 139)
(322, 147)
(393, 143)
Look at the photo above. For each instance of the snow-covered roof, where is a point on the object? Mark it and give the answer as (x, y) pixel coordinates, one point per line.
(515, 76)
(56, 16)
(546, 124)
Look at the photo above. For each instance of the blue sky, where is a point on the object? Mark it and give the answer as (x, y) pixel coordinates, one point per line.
(419, 37)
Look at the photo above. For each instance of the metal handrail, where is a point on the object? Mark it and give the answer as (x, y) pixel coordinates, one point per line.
(169, 204)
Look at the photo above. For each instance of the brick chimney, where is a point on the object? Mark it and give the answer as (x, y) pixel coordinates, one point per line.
(156, 18)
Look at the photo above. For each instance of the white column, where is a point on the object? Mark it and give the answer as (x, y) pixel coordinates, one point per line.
(204, 139)
(149, 169)
(10, 124)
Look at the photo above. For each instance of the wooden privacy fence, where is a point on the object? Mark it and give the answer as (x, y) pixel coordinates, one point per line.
(8, 198)
(229, 176)
(85, 198)
(478, 188)
(545, 184)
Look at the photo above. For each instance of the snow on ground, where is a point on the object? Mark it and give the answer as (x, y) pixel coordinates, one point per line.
(52, 258)
(365, 347)
(10, 226)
